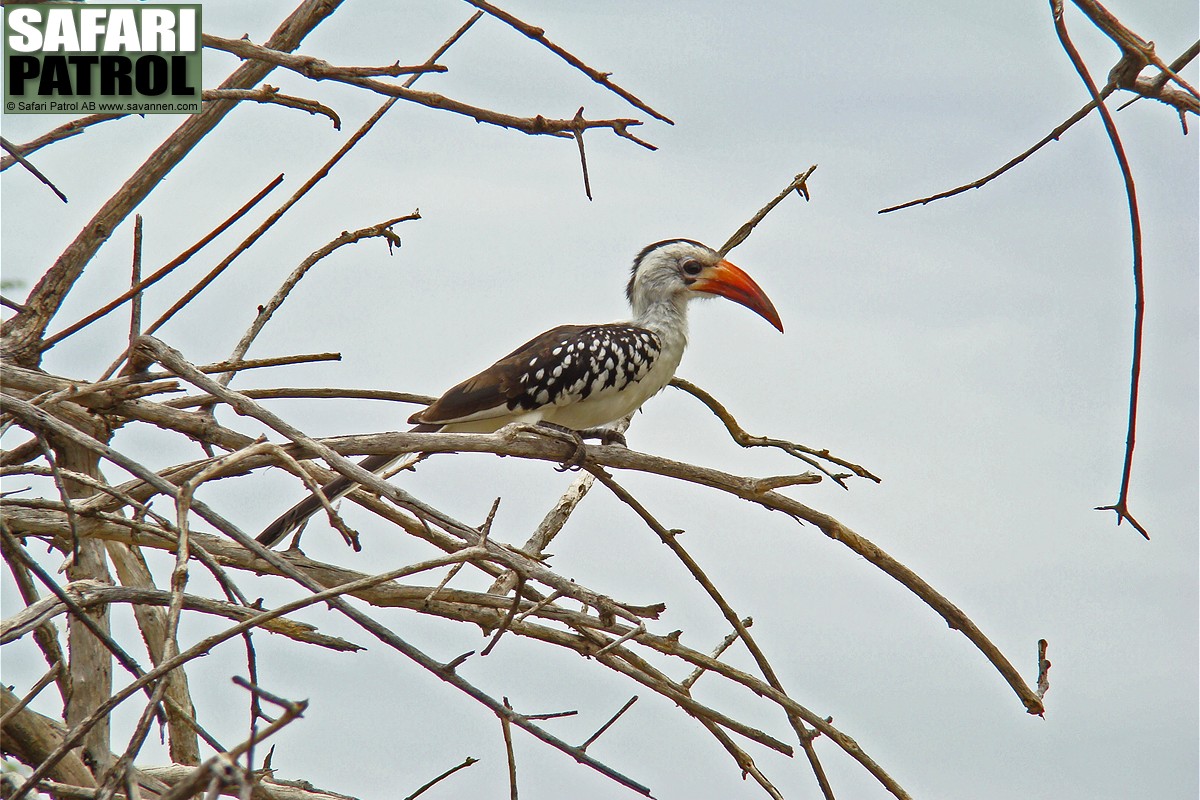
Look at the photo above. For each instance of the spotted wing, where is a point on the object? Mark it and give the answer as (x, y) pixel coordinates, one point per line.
(564, 365)
(497, 390)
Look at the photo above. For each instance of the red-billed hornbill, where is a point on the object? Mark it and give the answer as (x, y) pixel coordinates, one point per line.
(578, 377)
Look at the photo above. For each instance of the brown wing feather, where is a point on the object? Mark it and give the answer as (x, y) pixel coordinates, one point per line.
(497, 386)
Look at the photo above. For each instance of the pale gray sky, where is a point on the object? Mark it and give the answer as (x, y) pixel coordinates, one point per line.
(974, 353)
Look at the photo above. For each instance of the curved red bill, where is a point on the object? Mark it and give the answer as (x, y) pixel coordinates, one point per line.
(729, 281)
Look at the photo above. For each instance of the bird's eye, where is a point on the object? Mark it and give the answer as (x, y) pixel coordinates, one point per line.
(691, 267)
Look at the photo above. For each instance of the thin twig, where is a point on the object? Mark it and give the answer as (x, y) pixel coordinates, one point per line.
(466, 763)
(135, 308)
(729, 639)
(1121, 507)
(797, 185)
(739, 435)
(315, 68)
(587, 183)
(13, 304)
(266, 311)
(270, 95)
(508, 618)
(90, 594)
(506, 732)
(310, 392)
(539, 36)
(600, 731)
(37, 173)
(484, 530)
(47, 677)
(64, 131)
(163, 271)
(307, 186)
(1151, 88)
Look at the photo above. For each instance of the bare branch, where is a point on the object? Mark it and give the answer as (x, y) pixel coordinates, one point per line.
(64, 131)
(468, 761)
(539, 36)
(600, 731)
(1152, 87)
(797, 185)
(34, 171)
(318, 70)
(1133, 47)
(307, 186)
(163, 271)
(745, 439)
(270, 95)
(22, 334)
(265, 312)
(506, 732)
(1121, 507)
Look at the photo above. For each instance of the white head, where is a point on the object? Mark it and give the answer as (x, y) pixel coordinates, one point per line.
(667, 274)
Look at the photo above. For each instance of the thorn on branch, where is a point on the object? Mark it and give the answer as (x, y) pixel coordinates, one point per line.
(454, 663)
(578, 131)
(1122, 512)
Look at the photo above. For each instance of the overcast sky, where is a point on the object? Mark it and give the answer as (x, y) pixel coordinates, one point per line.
(974, 353)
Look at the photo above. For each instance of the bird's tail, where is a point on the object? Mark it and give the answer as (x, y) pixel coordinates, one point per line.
(291, 520)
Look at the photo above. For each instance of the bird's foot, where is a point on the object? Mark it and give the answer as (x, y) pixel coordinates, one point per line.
(605, 435)
(572, 437)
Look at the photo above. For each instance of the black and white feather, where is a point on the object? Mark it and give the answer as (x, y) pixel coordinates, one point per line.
(580, 377)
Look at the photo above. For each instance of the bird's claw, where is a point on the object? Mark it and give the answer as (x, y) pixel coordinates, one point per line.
(575, 461)
(574, 437)
(613, 437)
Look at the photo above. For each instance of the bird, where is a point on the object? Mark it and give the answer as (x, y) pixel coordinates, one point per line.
(577, 379)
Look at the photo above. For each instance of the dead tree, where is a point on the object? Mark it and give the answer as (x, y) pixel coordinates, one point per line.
(103, 526)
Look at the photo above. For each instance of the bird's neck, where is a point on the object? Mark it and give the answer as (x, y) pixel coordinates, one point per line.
(667, 318)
